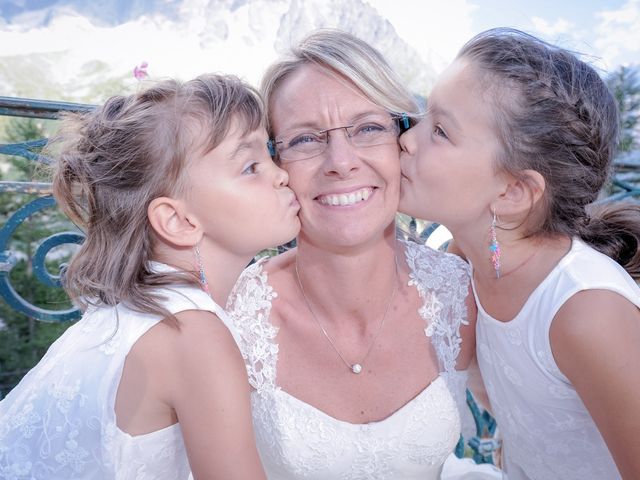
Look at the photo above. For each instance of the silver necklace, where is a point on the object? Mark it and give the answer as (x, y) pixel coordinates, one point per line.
(355, 367)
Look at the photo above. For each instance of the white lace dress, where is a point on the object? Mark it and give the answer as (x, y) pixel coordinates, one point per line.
(297, 441)
(59, 422)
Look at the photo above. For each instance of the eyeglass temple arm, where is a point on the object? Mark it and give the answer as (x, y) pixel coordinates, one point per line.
(271, 145)
(403, 122)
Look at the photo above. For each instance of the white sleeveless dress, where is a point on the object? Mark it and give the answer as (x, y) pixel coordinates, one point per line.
(547, 431)
(59, 421)
(297, 441)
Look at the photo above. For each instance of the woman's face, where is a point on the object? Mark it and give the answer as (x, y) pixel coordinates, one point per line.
(348, 194)
(448, 159)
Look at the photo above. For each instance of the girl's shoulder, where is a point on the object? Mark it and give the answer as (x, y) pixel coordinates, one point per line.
(584, 268)
(178, 298)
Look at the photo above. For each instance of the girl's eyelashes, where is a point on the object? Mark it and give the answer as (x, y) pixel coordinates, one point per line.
(250, 168)
(439, 132)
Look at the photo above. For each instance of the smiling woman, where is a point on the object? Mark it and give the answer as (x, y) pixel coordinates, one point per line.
(356, 343)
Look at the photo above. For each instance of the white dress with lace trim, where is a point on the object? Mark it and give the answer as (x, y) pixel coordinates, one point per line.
(296, 440)
(59, 421)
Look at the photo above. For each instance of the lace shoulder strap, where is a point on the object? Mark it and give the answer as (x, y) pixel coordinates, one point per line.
(442, 280)
(249, 307)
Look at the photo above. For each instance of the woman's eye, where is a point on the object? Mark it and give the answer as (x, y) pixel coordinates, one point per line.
(302, 139)
(368, 129)
(250, 168)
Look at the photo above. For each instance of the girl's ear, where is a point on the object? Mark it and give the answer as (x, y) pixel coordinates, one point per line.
(169, 220)
(521, 194)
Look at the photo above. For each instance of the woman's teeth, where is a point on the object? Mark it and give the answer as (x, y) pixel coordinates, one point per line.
(344, 199)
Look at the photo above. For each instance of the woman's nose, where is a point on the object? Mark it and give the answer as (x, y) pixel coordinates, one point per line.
(340, 157)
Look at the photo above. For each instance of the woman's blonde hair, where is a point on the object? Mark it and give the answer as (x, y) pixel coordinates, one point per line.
(115, 160)
(351, 58)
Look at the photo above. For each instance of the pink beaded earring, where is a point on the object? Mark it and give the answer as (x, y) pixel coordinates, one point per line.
(200, 266)
(494, 247)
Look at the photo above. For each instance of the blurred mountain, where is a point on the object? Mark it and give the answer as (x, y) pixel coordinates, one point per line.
(87, 50)
(37, 13)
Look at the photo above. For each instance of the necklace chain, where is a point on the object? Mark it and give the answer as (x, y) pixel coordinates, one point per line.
(355, 367)
(520, 265)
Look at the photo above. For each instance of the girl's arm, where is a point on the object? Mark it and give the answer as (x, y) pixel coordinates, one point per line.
(595, 339)
(210, 394)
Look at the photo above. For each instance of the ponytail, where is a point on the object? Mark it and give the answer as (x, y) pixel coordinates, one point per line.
(614, 229)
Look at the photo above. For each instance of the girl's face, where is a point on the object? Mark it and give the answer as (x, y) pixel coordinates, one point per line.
(348, 194)
(448, 158)
(240, 196)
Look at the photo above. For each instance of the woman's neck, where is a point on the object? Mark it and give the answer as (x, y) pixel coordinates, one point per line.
(349, 282)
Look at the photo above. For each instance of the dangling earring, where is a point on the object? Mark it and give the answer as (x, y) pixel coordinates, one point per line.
(494, 247)
(200, 266)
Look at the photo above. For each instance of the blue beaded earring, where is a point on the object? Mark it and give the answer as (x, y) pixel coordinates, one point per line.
(200, 267)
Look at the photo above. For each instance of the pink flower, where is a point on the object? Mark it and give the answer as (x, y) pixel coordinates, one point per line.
(140, 71)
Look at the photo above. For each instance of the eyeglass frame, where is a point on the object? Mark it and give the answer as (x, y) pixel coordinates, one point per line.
(404, 124)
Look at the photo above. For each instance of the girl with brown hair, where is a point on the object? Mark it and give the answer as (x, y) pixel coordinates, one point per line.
(172, 187)
(515, 147)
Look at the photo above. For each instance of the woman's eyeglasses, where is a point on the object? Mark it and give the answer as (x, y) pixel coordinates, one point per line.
(368, 132)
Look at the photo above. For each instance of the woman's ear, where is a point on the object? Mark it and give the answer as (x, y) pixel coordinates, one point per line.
(521, 194)
(169, 220)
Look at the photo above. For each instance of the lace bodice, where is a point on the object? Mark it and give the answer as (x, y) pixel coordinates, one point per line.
(296, 440)
(547, 431)
(59, 422)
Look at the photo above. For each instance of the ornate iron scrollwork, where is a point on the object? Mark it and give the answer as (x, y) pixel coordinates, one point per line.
(8, 261)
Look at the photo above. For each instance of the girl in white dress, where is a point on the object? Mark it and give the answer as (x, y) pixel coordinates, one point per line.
(172, 187)
(356, 343)
(515, 147)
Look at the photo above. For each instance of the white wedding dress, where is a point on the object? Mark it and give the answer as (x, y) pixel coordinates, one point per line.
(297, 441)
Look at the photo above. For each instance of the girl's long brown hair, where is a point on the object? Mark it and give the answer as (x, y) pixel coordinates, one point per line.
(555, 115)
(113, 161)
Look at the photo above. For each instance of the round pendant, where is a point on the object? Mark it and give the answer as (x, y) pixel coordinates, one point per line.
(356, 368)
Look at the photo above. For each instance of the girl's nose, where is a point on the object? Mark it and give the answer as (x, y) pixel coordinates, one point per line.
(407, 141)
(281, 177)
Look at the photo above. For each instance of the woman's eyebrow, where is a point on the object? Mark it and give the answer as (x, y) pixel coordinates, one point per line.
(316, 127)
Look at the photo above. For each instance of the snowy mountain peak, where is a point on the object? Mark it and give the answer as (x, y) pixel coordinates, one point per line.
(85, 51)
